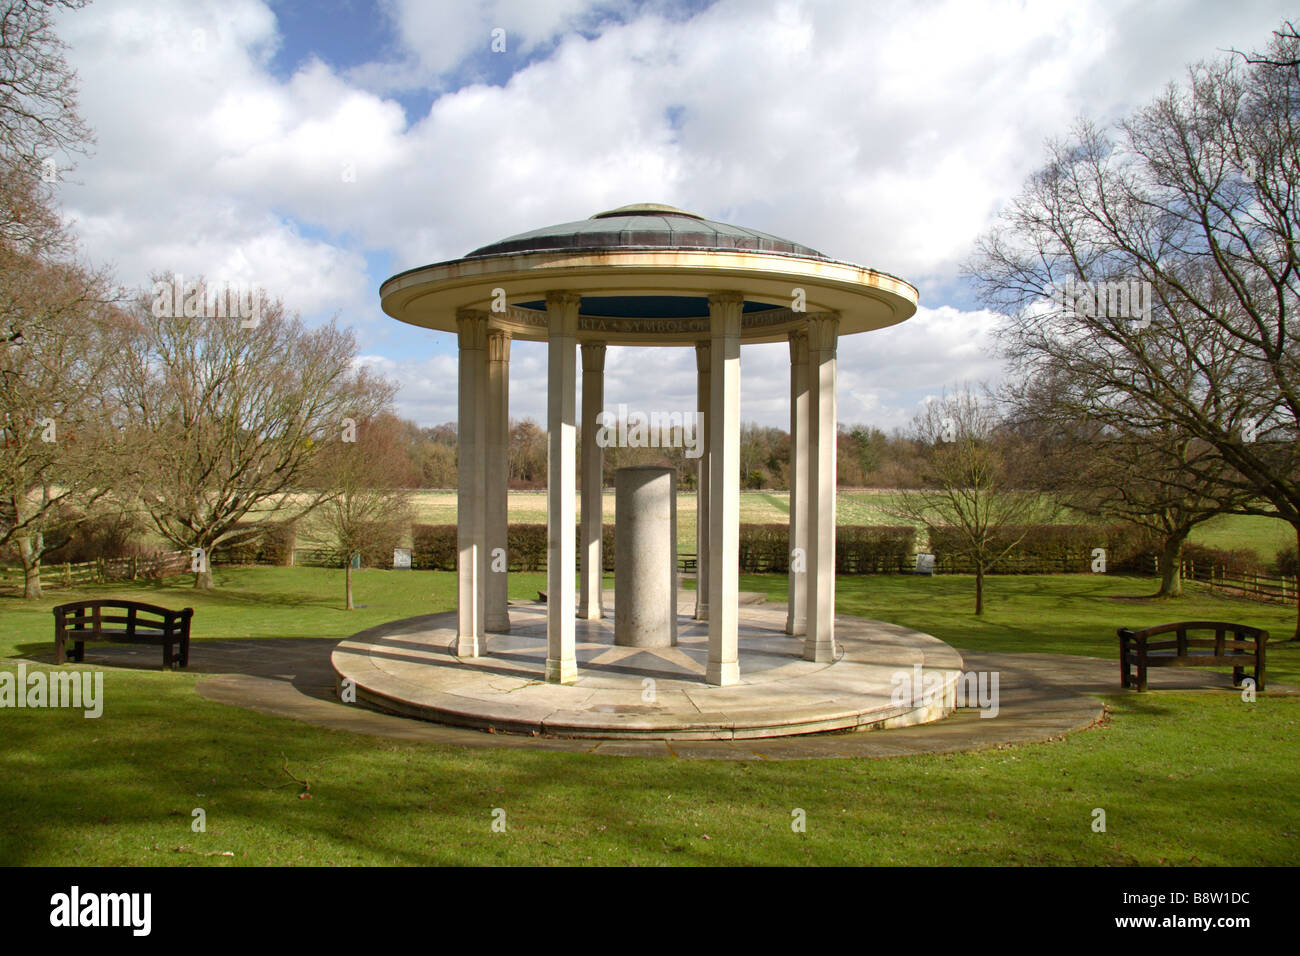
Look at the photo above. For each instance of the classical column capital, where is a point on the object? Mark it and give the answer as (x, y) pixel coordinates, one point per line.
(471, 328)
(724, 313)
(562, 311)
(498, 345)
(702, 356)
(798, 346)
(823, 331)
(593, 356)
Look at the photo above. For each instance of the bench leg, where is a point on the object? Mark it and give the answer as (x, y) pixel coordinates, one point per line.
(1142, 675)
(185, 652)
(1237, 674)
(59, 653)
(168, 663)
(79, 651)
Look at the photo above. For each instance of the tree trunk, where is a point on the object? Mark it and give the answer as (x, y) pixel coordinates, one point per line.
(979, 588)
(1171, 564)
(30, 548)
(203, 579)
(349, 582)
(30, 553)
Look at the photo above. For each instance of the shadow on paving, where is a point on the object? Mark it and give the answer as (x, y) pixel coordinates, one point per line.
(1042, 697)
(303, 662)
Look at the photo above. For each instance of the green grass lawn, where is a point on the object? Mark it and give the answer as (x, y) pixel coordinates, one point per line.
(1184, 778)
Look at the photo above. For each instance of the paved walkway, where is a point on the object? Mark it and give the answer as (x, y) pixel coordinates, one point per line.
(1042, 697)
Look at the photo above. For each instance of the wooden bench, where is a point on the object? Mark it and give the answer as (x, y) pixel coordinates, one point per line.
(121, 622)
(1245, 648)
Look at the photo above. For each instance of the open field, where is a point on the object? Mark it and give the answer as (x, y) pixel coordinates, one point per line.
(1265, 536)
(1185, 778)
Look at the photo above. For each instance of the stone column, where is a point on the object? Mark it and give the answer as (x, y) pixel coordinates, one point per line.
(724, 487)
(561, 473)
(702, 483)
(590, 603)
(819, 640)
(497, 465)
(645, 567)
(796, 613)
(471, 541)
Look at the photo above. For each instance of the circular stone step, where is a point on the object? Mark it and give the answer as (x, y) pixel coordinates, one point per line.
(409, 667)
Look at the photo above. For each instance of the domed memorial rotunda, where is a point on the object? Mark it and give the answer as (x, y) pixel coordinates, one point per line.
(644, 275)
(624, 665)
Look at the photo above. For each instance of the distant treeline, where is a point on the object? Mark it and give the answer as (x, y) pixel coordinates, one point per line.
(867, 457)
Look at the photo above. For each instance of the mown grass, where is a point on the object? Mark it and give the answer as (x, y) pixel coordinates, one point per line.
(1183, 778)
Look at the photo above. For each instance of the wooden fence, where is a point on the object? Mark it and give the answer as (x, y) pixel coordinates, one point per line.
(1258, 587)
(160, 564)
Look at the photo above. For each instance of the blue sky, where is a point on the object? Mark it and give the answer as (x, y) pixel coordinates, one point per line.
(885, 134)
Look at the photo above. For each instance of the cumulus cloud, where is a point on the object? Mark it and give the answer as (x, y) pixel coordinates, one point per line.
(886, 136)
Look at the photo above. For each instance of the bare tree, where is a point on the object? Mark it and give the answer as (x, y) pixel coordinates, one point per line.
(38, 106)
(1191, 213)
(969, 487)
(56, 429)
(1161, 479)
(1286, 36)
(227, 416)
(365, 507)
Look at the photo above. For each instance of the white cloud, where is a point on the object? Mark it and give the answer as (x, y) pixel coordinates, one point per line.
(883, 136)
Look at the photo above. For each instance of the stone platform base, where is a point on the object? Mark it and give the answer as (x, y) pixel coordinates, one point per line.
(409, 668)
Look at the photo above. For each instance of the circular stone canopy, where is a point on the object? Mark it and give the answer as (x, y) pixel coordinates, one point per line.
(645, 273)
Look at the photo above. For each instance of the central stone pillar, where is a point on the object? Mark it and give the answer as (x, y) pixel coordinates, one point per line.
(702, 483)
(561, 476)
(590, 603)
(725, 310)
(645, 557)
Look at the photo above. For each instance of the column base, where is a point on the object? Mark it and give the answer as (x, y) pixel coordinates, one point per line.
(797, 627)
(501, 626)
(591, 614)
(468, 646)
(701, 612)
(561, 672)
(722, 673)
(820, 652)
